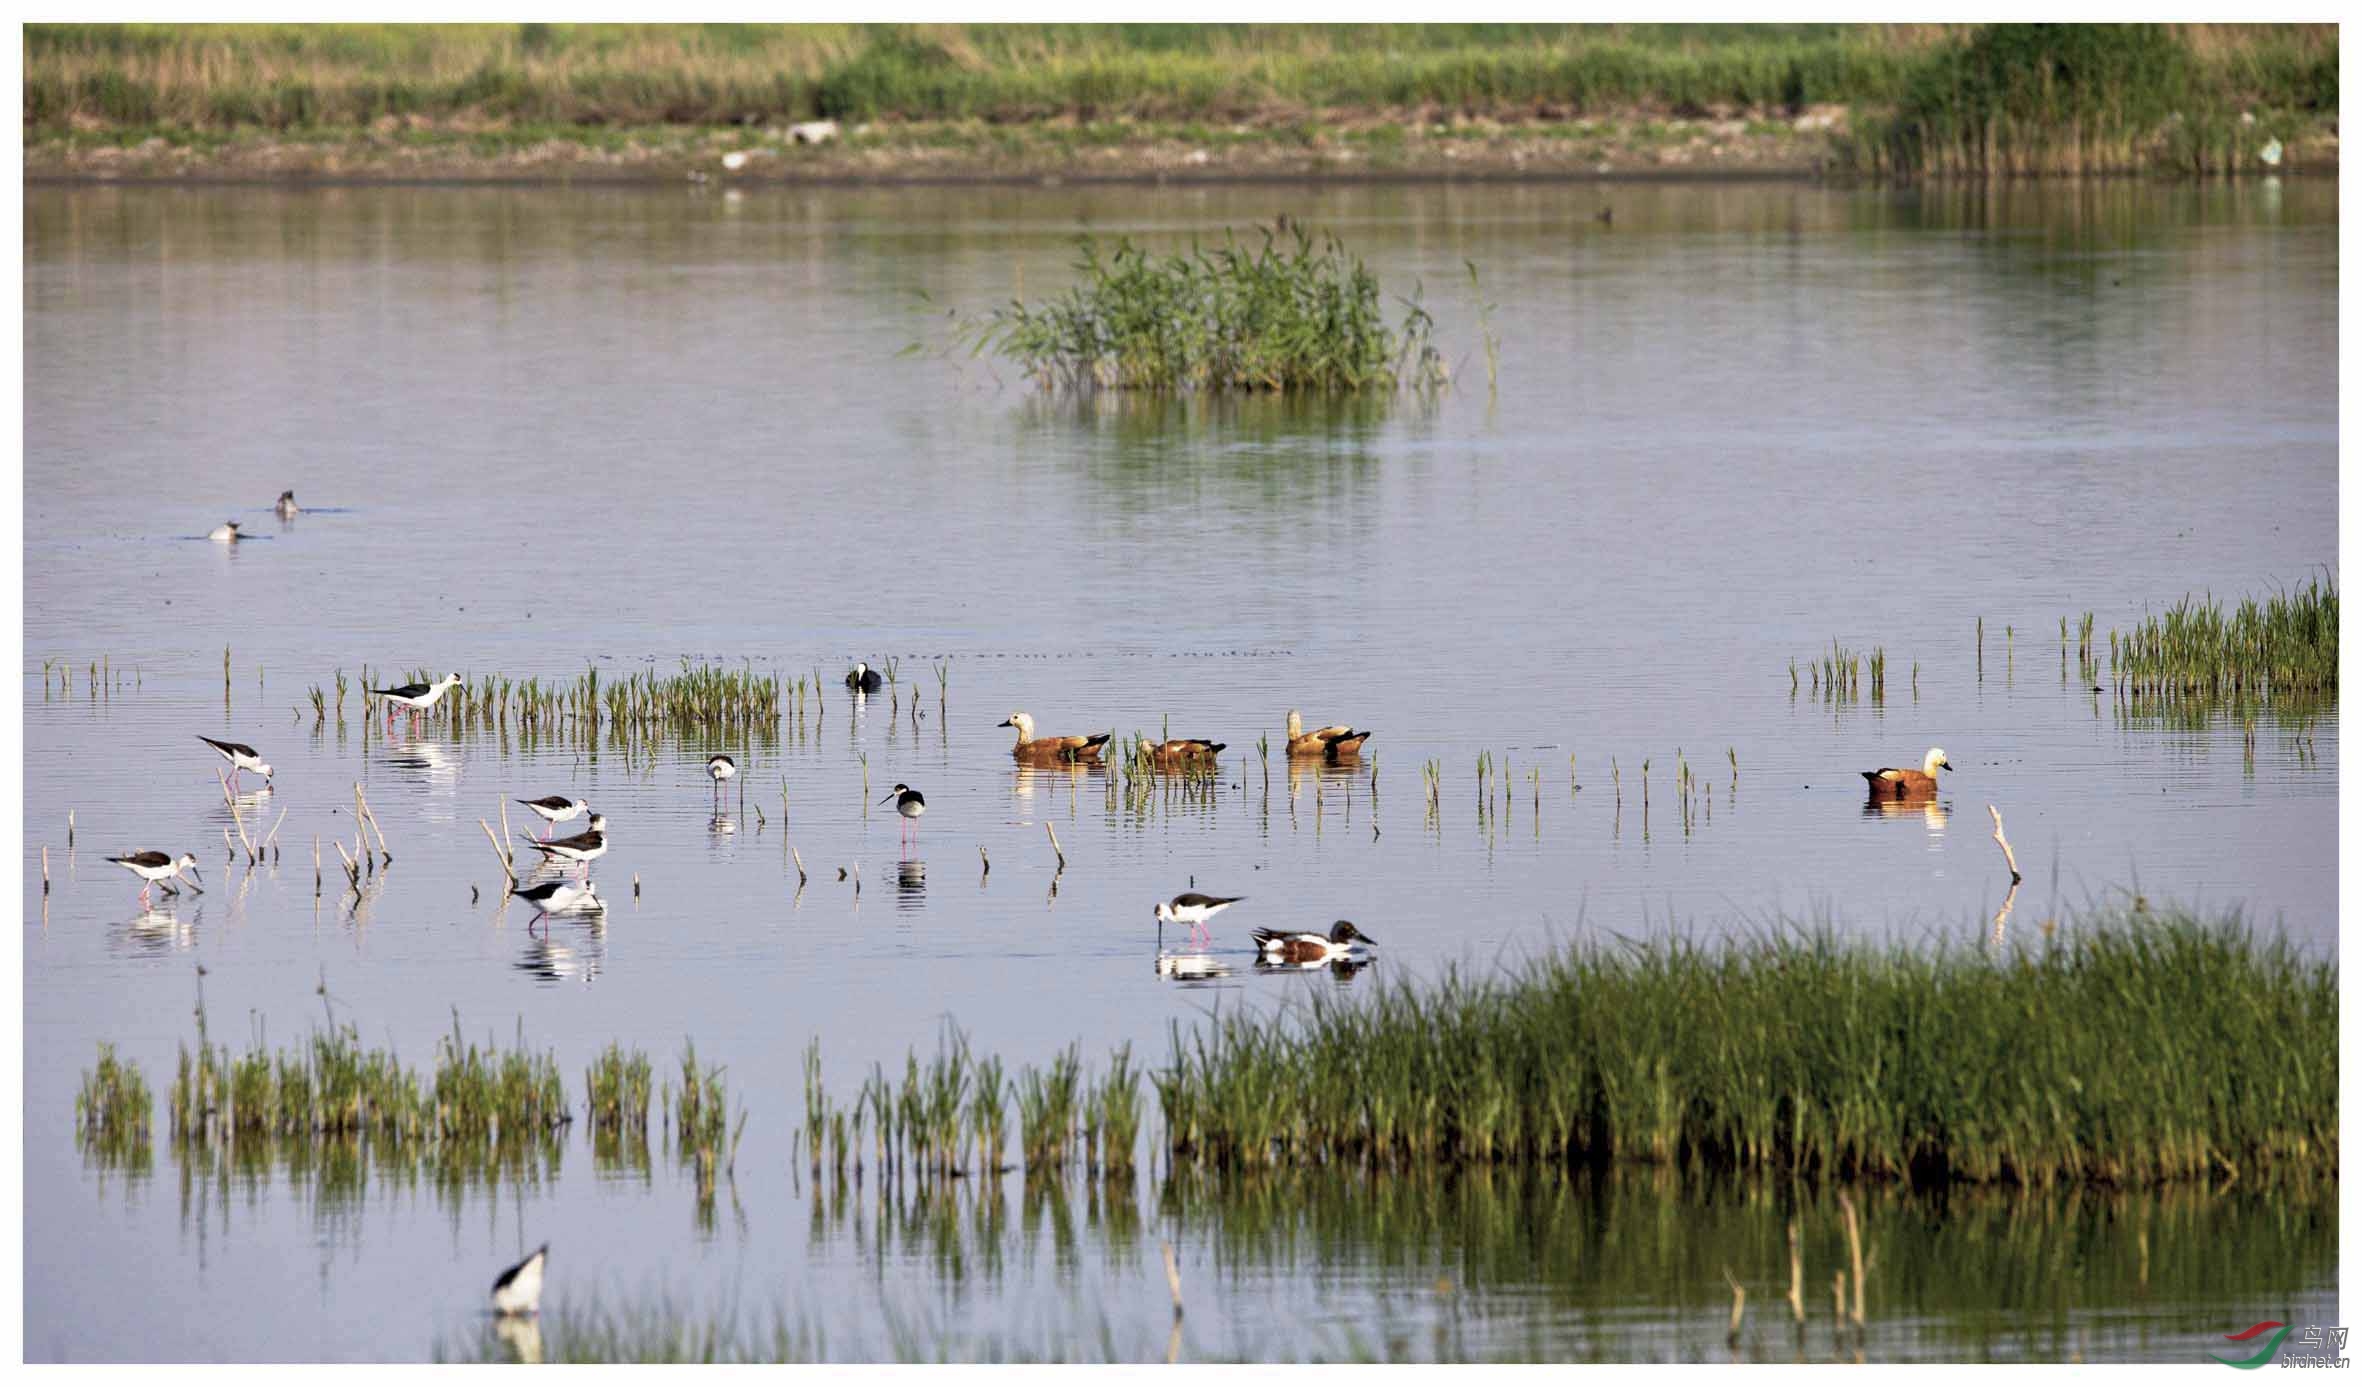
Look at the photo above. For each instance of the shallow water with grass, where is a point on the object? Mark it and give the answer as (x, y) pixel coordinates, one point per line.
(1594, 611)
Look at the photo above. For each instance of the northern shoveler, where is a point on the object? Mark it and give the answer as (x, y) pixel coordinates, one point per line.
(1342, 941)
(1051, 751)
(1893, 782)
(1335, 743)
(286, 507)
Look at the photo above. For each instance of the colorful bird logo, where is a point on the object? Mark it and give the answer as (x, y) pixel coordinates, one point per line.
(2278, 1332)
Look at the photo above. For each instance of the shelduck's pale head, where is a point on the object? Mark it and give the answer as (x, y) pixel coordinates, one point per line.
(1023, 722)
(1295, 723)
(1935, 761)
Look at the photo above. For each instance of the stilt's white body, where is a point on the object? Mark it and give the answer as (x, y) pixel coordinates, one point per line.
(225, 533)
(518, 1291)
(557, 809)
(560, 897)
(580, 849)
(1192, 909)
(155, 869)
(909, 804)
(240, 756)
(416, 699)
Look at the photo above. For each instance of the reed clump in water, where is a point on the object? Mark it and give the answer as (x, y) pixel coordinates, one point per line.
(702, 1133)
(616, 1090)
(112, 1113)
(1290, 314)
(2281, 651)
(489, 1093)
(2128, 1049)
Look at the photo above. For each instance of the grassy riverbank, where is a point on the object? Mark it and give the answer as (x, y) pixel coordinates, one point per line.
(1174, 100)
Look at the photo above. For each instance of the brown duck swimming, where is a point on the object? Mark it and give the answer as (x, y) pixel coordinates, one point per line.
(1053, 751)
(1896, 782)
(1335, 743)
(1183, 751)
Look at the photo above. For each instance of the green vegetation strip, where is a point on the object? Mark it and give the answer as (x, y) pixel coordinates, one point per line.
(2125, 1048)
(1948, 84)
(2281, 649)
(2081, 98)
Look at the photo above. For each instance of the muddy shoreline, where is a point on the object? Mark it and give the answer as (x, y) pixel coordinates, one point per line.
(1634, 147)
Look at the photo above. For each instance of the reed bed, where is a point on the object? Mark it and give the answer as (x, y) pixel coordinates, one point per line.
(2279, 651)
(949, 1116)
(703, 699)
(616, 1089)
(213, 76)
(2127, 1049)
(699, 1107)
(2015, 99)
(1287, 315)
(1941, 81)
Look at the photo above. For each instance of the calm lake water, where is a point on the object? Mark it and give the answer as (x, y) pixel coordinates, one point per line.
(550, 430)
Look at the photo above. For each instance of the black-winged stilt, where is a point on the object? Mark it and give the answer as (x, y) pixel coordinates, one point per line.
(518, 1291)
(155, 868)
(909, 804)
(557, 809)
(418, 698)
(580, 849)
(721, 768)
(1194, 908)
(240, 756)
(561, 897)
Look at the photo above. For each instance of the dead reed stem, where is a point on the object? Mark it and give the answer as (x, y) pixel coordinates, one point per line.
(2010, 857)
(1853, 1244)
(508, 866)
(369, 817)
(1795, 1272)
(1173, 1279)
